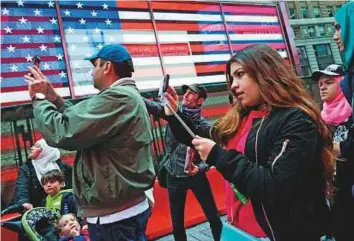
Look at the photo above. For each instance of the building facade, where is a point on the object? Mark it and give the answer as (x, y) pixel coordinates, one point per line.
(312, 24)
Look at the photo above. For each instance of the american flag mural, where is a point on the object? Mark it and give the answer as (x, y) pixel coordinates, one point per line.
(188, 40)
(29, 29)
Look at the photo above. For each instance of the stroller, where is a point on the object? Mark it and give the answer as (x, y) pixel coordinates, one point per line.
(34, 225)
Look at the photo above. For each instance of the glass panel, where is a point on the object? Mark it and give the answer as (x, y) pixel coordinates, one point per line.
(261, 25)
(320, 31)
(304, 62)
(29, 29)
(323, 55)
(193, 42)
(311, 31)
(329, 29)
(95, 24)
(304, 10)
(329, 10)
(316, 12)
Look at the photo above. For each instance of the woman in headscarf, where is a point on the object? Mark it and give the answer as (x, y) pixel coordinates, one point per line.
(344, 37)
(42, 158)
(336, 113)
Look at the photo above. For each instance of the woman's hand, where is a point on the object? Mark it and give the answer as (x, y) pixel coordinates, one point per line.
(172, 98)
(203, 146)
(194, 169)
(27, 206)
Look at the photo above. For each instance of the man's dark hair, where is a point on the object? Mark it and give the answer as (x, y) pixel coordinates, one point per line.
(123, 69)
(53, 175)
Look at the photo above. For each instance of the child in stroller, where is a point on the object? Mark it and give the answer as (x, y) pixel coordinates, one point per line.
(68, 228)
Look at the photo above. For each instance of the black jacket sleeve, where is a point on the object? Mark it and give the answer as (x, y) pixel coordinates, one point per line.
(155, 108)
(291, 158)
(22, 186)
(201, 129)
(347, 146)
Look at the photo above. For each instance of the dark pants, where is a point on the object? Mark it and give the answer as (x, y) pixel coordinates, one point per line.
(131, 229)
(177, 193)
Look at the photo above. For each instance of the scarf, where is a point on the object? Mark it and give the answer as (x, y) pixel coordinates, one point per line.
(46, 160)
(338, 110)
(345, 18)
(238, 214)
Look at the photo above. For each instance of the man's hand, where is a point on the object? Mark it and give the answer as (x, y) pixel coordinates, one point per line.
(27, 206)
(203, 146)
(172, 99)
(193, 170)
(38, 83)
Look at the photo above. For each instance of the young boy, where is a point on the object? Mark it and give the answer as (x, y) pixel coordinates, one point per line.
(69, 228)
(62, 200)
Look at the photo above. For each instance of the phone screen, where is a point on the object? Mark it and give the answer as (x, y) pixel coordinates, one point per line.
(36, 61)
(165, 83)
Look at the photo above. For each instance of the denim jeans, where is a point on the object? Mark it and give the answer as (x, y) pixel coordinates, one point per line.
(130, 229)
(177, 193)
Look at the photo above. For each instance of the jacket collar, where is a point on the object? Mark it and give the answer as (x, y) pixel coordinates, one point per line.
(123, 81)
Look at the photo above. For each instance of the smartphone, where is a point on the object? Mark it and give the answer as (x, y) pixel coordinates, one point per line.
(166, 81)
(36, 61)
(164, 86)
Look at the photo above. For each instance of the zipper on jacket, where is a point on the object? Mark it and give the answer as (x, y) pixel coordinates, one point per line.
(263, 209)
(285, 143)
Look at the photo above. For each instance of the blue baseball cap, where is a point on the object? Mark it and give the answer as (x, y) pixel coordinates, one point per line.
(112, 52)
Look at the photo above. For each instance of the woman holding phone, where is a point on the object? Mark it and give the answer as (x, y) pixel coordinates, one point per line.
(287, 164)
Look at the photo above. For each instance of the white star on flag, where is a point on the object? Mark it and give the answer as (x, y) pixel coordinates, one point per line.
(51, 4)
(40, 30)
(97, 30)
(37, 12)
(11, 48)
(46, 66)
(108, 22)
(105, 6)
(60, 57)
(29, 58)
(22, 20)
(56, 38)
(53, 21)
(26, 39)
(62, 74)
(82, 21)
(94, 14)
(14, 68)
(8, 29)
(70, 30)
(43, 47)
(85, 38)
(20, 3)
(5, 11)
(67, 12)
(79, 5)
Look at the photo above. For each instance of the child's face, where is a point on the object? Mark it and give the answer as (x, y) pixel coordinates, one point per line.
(52, 187)
(69, 225)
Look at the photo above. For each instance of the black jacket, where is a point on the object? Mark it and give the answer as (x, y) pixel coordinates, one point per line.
(281, 172)
(29, 190)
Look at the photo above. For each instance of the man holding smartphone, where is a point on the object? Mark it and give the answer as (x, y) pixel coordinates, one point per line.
(112, 135)
(182, 172)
